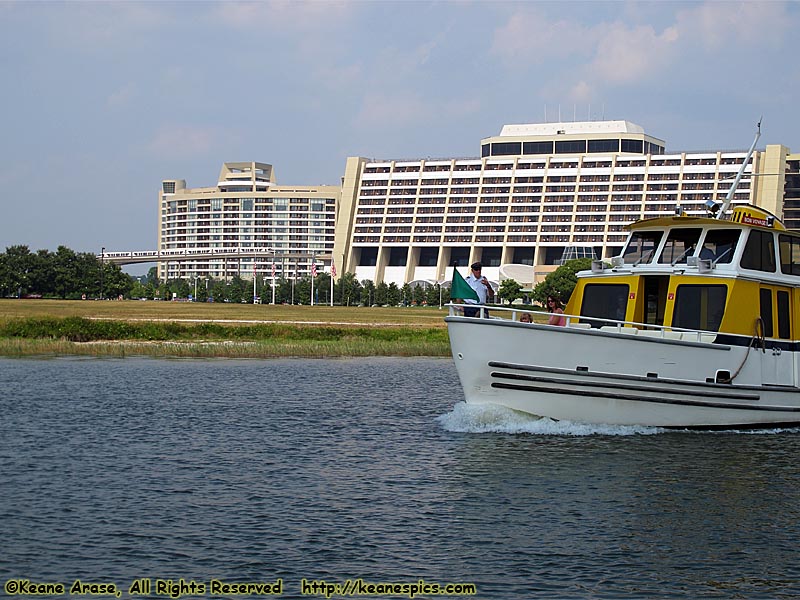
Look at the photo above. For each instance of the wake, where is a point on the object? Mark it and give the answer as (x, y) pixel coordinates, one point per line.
(491, 418)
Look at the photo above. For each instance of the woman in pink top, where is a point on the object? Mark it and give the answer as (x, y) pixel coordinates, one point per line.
(554, 306)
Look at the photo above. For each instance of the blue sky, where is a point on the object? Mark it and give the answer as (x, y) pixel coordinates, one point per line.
(101, 101)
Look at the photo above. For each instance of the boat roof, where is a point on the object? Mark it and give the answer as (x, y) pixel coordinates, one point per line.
(745, 215)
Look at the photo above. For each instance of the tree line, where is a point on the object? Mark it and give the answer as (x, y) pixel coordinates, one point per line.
(73, 275)
(347, 290)
(61, 274)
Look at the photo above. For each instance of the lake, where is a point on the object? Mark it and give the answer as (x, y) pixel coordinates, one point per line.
(115, 470)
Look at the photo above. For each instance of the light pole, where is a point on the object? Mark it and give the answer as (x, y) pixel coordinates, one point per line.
(102, 264)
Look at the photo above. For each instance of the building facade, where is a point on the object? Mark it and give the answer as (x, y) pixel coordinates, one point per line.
(244, 225)
(537, 192)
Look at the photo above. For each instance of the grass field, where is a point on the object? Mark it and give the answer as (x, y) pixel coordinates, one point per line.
(124, 328)
(136, 310)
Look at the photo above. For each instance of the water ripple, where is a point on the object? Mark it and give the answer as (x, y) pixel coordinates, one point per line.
(375, 468)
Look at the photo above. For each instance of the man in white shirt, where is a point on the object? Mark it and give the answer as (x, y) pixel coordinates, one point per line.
(482, 287)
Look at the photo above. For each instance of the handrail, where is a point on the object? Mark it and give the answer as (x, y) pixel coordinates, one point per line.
(597, 323)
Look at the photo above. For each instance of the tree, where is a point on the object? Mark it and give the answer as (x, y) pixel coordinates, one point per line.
(561, 282)
(348, 290)
(17, 267)
(393, 294)
(152, 276)
(381, 294)
(65, 272)
(116, 282)
(322, 288)
(406, 294)
(432, 295)
(368, 292)
(237, 290)
(510, 290)
(419, 294)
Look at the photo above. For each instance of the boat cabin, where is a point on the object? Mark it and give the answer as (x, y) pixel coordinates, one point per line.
(702, 274)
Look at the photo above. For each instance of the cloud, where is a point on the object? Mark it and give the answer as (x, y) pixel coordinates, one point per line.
(719, 24)
(183, 141)
(529, 38)
(282, 14)
(106, 24)
(122, 97)
(394, 109)
(625, 55)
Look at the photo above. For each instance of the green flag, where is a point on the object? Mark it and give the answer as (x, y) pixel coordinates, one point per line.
(459, 288)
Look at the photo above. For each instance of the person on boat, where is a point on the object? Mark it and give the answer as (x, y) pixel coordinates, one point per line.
(482, 287)
(525, 318)
(554, 306)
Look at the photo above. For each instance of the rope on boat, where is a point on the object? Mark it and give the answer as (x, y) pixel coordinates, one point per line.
(758, 336)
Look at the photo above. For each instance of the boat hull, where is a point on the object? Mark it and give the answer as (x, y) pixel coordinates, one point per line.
(593, 376)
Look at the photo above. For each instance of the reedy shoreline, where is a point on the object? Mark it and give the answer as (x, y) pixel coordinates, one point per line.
(175, 335)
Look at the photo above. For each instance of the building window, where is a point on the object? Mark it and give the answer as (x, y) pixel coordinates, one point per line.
(506, 148)
(603, 146)
(634, 146)
(571, 147)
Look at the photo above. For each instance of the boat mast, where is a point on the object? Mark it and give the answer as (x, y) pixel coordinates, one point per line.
(739, 175)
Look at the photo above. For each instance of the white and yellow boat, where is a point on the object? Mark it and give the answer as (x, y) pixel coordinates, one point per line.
(695, 324)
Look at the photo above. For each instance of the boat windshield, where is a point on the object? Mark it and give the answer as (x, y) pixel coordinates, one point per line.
(642, 246)
(720, 244)
(680, 245)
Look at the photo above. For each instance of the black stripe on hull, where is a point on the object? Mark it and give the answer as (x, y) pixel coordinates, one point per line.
(727, 427)
(625, 387)
(579, 372)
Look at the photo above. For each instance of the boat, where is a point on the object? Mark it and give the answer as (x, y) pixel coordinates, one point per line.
(696, 324)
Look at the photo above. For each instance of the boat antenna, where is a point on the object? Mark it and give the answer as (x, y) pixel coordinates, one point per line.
(735, 184)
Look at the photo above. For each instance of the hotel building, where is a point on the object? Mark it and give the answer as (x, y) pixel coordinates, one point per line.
(244, 225)
(536, 194)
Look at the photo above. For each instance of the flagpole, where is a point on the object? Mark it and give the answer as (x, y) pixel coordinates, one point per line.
(273, 280)
(332, 270)
(254, 280)
(312, 278)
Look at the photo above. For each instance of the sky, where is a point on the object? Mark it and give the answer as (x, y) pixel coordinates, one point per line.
(101, 101)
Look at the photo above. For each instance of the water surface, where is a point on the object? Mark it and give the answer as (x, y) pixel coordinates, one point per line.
(373, 468)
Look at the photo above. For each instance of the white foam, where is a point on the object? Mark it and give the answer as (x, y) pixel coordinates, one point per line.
(492, 418)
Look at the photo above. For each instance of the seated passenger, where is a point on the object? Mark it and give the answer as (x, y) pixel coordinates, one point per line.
(525, 318)
(554, 306)
(707, 253)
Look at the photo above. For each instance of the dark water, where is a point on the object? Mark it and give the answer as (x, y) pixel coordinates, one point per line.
(112, 470)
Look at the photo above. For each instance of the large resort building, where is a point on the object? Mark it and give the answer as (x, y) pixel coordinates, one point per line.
(245, 225)
(537, 194)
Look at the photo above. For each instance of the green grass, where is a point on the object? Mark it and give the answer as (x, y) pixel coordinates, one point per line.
(181, 329)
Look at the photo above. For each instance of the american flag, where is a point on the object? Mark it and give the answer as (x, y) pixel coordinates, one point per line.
(333, 269)
(313, 269)
(273, 270)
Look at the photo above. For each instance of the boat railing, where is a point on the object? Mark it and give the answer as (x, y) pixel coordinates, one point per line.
(603, 324)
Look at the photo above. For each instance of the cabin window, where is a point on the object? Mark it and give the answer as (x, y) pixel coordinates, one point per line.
(642, 246)
(759, 252)
(699, 307)
(720, 244)
(765, 301)
(680, 244)
(784, 323)
(604, 301)
(789, 246)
